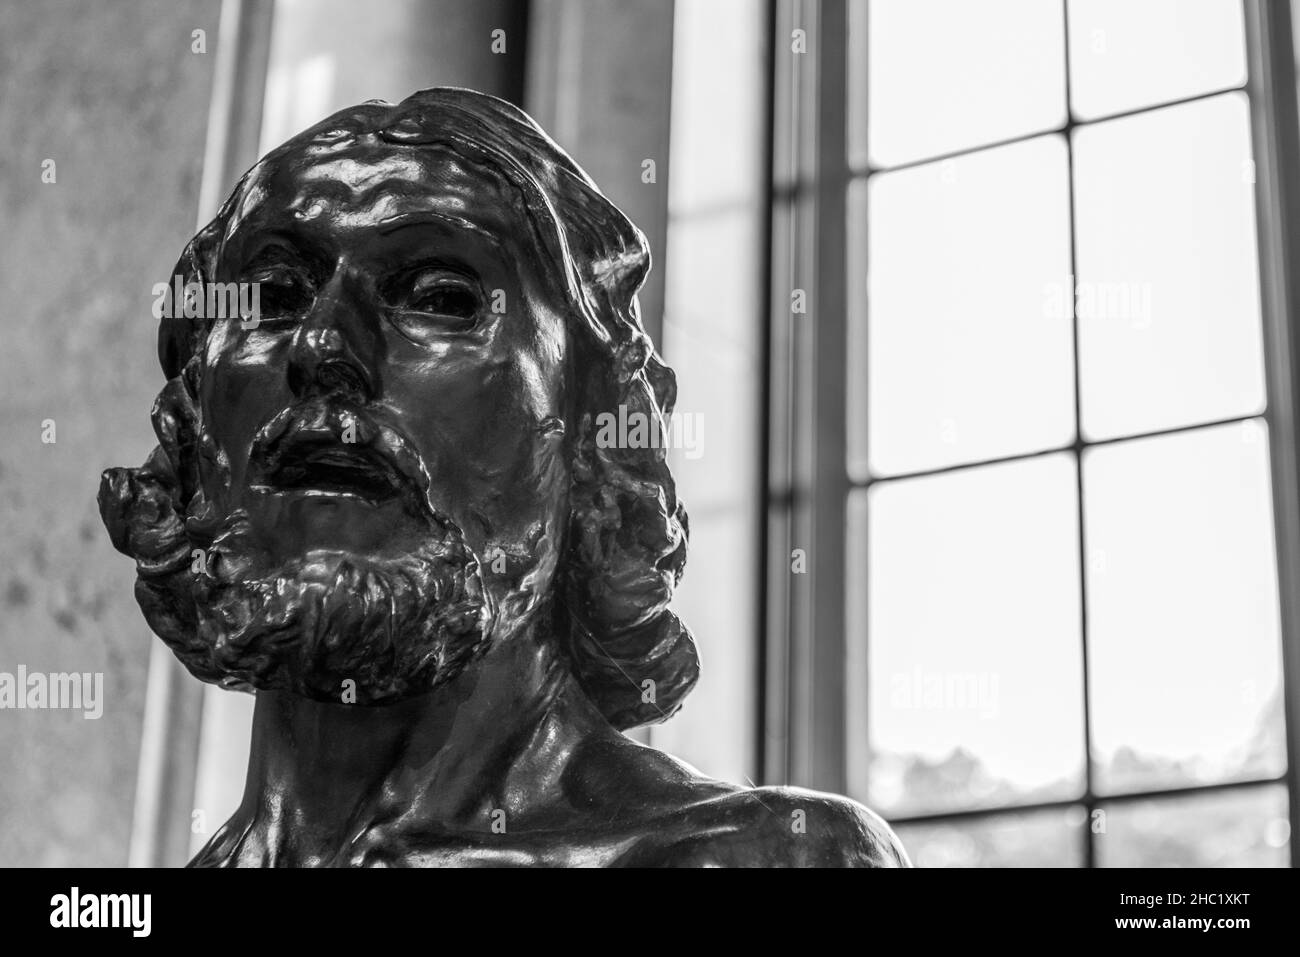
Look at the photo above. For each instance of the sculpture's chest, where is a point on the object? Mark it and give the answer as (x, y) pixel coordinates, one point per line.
(540, 849)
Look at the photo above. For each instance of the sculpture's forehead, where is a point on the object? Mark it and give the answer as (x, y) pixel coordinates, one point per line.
(367, 182)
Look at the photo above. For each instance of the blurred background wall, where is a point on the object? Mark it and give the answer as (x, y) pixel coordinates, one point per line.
(116, 97)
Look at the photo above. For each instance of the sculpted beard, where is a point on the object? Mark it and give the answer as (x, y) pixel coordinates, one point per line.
(397, 627)
(236, 616)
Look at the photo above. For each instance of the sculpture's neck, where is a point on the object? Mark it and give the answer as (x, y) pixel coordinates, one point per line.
(322, 775)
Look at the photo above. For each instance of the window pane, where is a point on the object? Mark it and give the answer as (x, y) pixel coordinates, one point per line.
(1237, 828)
(1034, 839)
(1183, 610)
(970, 344)
(715, 139)
(1168, 298)
(711, 297)
(974, 679)
(944, 75)
(1125, 55)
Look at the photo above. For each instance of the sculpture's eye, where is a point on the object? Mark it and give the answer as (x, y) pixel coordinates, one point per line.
(450, 299)
(431, 301)
(282, 292)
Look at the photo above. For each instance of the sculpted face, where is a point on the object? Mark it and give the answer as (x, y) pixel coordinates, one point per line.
(393, 468)
(402, 309)
(385, 442)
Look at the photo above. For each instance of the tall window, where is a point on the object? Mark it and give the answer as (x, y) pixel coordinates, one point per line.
(1062, 619)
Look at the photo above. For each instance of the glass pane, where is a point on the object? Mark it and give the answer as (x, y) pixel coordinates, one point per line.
(970, 343)
(944, 75)
(716, 140)
(1125, 55)
(1182, 610)
(1237, 828)
(711, 297)
(974, 678)
(1033, 839)
(1168, 297)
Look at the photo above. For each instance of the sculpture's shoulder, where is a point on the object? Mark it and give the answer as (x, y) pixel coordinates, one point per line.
(617, 804)
(777, 827)
(694, 821)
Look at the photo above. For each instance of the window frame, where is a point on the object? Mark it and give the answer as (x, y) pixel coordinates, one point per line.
(814, 702)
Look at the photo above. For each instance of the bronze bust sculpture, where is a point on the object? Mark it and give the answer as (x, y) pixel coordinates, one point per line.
(380, 503)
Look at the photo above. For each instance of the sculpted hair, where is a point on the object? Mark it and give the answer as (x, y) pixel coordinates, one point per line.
(627, 534)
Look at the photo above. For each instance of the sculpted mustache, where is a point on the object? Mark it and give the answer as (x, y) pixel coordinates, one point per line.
(332, 422)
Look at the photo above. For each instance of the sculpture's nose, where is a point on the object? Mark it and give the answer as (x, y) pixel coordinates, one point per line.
(328, 356)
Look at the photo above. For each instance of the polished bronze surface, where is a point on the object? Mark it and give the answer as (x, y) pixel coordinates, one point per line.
(379, 502)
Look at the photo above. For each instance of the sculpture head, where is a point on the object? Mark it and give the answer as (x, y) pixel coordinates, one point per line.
(394, 466)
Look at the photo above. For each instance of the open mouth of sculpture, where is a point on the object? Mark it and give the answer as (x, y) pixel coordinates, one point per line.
(330, 468)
